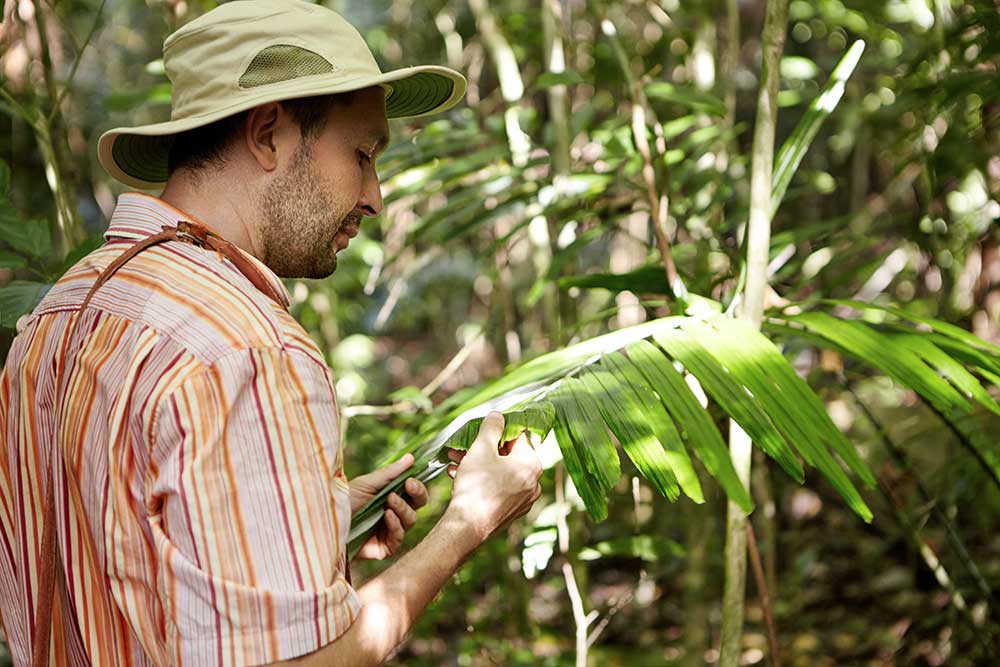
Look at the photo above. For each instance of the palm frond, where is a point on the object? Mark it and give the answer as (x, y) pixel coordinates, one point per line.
(629, 385)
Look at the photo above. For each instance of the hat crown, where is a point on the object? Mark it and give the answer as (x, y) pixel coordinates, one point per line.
(216, 58)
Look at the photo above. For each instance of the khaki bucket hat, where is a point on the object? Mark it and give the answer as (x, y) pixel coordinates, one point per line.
(248, 52)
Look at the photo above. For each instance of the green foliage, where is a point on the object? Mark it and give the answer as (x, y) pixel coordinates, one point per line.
(885, 244)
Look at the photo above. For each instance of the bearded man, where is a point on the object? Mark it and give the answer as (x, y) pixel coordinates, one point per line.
(172, 474)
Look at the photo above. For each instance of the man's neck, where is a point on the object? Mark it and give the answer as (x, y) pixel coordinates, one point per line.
(227, 211)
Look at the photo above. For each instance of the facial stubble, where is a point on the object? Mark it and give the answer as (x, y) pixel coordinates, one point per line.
(300, 221)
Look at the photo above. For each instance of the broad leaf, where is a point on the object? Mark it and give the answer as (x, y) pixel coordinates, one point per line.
(18, 298)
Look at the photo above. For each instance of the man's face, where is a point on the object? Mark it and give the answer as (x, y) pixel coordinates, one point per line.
(314, 206)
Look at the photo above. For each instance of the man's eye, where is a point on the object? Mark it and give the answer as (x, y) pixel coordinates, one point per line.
(363, 157)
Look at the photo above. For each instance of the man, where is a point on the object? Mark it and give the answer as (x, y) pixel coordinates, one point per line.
(171, 481)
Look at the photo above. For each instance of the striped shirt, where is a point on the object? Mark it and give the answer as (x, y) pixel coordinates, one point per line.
(194, 442)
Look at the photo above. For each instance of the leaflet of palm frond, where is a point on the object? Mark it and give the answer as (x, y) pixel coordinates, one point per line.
(793, 407)
(445, 173)
(731, 396)
(982, 363)
(460, 199)
(624, 416)
(535, 417)
(687, 96)
(787, 161)
(574, 432)
(694, 421)
(877, 349)
(948, 367)
(660, 422)
(472, 217)
(943, 328)
(581, 411)
(906, 367)
(553, 365)
(423, 153)
(806, 399)
(649, 279)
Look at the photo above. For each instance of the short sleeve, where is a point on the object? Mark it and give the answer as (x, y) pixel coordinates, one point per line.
(251, 511)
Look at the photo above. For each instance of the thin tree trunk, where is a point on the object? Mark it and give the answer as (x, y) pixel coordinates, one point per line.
(511, 83)
(758, 245)
(558, 307)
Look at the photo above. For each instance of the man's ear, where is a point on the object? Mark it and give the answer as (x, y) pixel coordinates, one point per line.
(264, 135)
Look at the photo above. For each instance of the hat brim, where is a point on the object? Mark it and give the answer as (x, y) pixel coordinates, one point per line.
(137, 156)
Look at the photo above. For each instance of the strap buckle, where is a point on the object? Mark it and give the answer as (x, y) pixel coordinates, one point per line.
(192, 233)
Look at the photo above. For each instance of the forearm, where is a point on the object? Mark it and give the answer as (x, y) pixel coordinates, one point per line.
(393, 600)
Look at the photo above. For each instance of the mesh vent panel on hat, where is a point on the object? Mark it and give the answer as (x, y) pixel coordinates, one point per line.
(281, 63)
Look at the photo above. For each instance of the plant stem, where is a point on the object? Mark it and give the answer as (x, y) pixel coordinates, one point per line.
(758, 246)
(509, 75)
(656, 197)
(558, 307)
(765, 597)
(581, 619)
(53, 146)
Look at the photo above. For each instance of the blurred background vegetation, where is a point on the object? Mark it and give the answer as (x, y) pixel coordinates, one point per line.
(524, 220)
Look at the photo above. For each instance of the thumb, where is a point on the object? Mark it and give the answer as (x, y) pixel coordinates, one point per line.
(383, 476)
(490, 432)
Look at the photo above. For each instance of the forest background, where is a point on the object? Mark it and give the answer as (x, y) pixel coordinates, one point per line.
(597, 175)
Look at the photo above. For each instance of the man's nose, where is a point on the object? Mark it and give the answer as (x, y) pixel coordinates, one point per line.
(371, 195)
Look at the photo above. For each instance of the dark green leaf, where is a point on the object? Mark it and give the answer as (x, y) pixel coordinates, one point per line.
(18, 298)
(686, 96)
(732, 396)
(29, 237)
(624, 414)
(691, 417)
(549, 79)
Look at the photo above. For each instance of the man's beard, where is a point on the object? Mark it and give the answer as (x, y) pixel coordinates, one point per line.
(297, 235)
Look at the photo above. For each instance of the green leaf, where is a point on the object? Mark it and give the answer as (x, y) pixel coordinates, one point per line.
(127, 100)
(9, 260)
(570, 430)
(660, 422)
(624, 414)
(792, 406)
(18, 298)
(794, 149)
(695, 423)
(864, 342)
(646, 280)
(553, 365)
(30, 237)
(955, 372)
(686, 96)
(536, 417)
(549, 79)
(945, 328)
(598, 453)
(731, 396)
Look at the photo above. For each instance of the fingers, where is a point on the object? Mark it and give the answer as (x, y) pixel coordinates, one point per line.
(456, 455)
(407, 515)
(394, 533)
(416, 491)
(489, 433)
(509, 445)
(394, 469)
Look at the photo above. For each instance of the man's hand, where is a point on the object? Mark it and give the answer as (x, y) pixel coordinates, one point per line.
(399, 517)
(495, 482)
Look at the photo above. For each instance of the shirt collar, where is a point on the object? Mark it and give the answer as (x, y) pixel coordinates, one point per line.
(138, 215)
